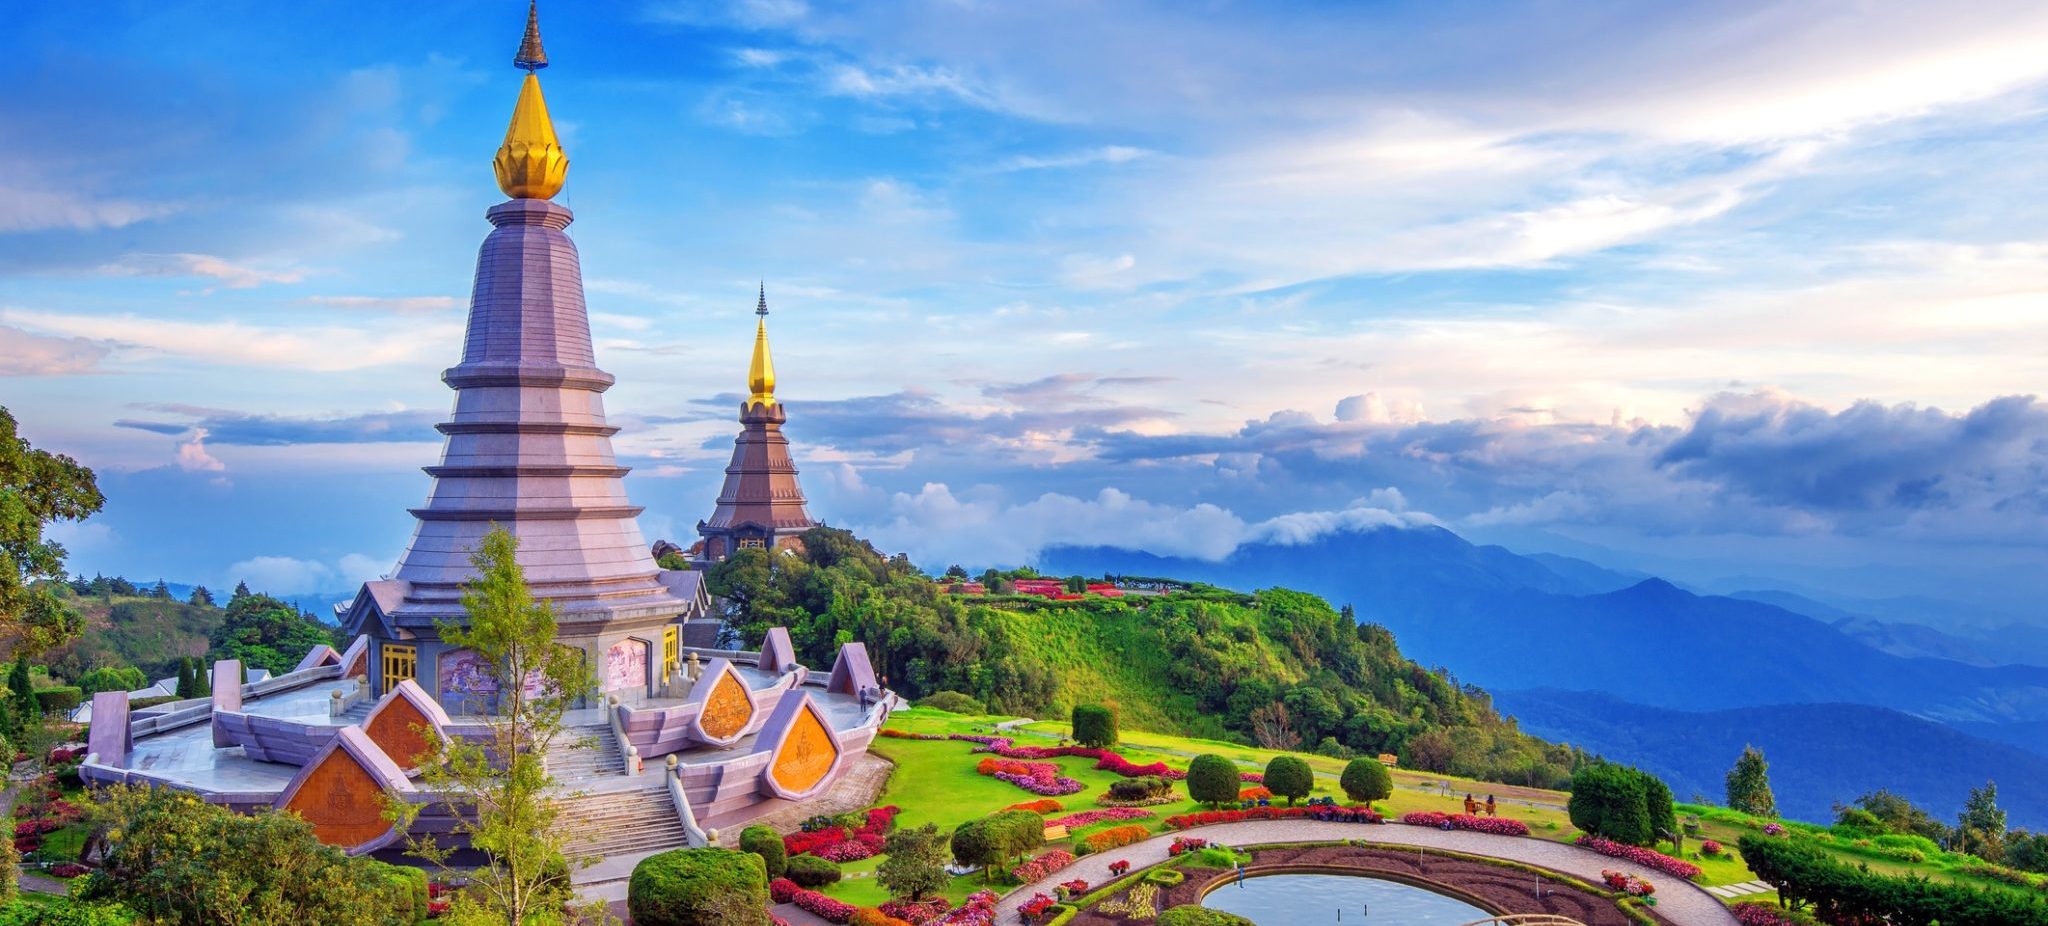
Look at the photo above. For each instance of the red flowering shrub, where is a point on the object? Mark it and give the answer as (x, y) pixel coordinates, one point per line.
(1035, 908)
(1358, 814)
(1040, 806)
(1118, 867)
(1756, 914)
(918, 912)
(1461, 821)
(825, 908)
(1644, 857)
(834, 843)
(783, 890)
(1038, 869)
(1086, 817)
(1710, 848)
(799, 843)
(1074, 888)
(68, 870)
(979, 910)
(1185, 844)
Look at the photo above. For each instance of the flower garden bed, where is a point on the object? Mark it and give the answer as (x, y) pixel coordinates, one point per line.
(1497, 826)
(1035, 777)
(835, 843)
(1328, 814)
(1678, 868)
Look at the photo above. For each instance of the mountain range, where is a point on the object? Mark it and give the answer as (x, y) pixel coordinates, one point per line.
(1555, 624)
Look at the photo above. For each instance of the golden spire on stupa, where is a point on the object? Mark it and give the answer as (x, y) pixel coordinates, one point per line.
(761, 374)
(531, 163)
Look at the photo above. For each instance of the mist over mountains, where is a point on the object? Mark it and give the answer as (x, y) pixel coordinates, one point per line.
(1645, 671)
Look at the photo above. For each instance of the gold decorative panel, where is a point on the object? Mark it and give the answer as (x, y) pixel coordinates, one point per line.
(807, 754)
(342, 801)
(727, 710)
(401, 731)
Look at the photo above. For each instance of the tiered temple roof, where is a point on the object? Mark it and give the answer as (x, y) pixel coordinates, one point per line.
(761, 504)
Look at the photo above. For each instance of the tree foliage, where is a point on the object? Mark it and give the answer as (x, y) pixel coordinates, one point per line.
(1980, 828)
(1365, 780)
(1612, 801)
(1289, 777)
(1212, 779)
(112, 678)
(915, 865)
(504, 778)
(265, 633)
(766, 843)
(37, 488)
(180, 861)
(699, 887)
(1094, 725)
(1749, 784)
(1806, 876)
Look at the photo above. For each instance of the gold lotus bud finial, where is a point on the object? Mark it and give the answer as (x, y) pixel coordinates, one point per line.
(761, 374)
(531, 163)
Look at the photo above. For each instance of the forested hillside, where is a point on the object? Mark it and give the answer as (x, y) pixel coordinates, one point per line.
(1278, 668)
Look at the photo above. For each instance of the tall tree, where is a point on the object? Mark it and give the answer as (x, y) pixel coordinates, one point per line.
(161, 591)
(916, 863)
(504, 778)
(266, 633)
(1749, 784)
(36, 488)
(1981, 825)
(241, 592)
(21, 688)
(200, 597)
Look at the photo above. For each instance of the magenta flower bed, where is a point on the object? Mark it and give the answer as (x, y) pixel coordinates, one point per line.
(921, 912)
(1459, 821)
(1052, 784)
(1756, 914)
(1360, 814)
(1043, 866)
(978, 910)
(1105, 759)
(1086, 817)
(1644, 857)
(835, 844)
(783, 890)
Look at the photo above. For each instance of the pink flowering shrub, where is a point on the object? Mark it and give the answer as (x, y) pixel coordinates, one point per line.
(1460, 821)
(835, 844)
(1756, 914)
(1644, 857)
(978, 910)
(1774, 829)
(1038, 869)
(917, 912)
(1322, 812)
(1087, 817)
(783, 890)
(1710, 848)
(1036, 907)
(1625, 883)
(823, 907)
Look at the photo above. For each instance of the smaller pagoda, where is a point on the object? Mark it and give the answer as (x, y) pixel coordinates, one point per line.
(761, 505)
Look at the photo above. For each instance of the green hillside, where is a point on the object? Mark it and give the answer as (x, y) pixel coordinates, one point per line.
(151, 634)
(1279, 668)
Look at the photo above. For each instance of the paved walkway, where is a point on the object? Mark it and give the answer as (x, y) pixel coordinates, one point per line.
(1681, 902)
(1744, 889)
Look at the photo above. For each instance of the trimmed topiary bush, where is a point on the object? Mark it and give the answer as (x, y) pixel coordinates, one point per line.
(1192, 915)
(699, 887)
(1212, 780)
(1141, 788)
(811, 871)
(766, 843)
(1289, 777)
(953, 702)
(1365, 780)
(60, 699)
(1094, 726)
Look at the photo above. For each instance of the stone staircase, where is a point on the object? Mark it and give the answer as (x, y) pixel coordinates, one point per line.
(570, 763)
(618, 823)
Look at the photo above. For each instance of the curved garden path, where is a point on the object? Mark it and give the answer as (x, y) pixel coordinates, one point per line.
(1681, 902)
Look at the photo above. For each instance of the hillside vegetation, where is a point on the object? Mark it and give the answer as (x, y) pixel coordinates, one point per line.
(1278, 668)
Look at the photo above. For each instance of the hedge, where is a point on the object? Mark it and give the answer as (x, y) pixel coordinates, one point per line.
(1839, 893)
(1094, 725)
(685, 887)
(1192, 915)
(766, 843)
(811, 871)
(61, 698)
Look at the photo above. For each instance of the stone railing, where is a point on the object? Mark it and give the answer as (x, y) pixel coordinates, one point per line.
(340, 700)
(615, 714)
(698, 837)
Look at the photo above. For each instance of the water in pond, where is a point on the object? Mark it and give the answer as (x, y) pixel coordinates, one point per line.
(1312, 900)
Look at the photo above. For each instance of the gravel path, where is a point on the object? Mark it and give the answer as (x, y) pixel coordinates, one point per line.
(1681, 902)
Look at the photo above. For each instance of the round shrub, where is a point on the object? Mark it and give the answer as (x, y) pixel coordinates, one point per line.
(811, 871)
(953, 702)
(1289, 777)
(766, 843)
(409, 896)
(698, 887)
(1212, 780)
(1192, 915)
(60, 699)
(1094, 725)
(1365, 780)
(1141, 788)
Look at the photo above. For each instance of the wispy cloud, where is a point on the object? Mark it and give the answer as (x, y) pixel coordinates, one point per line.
(290, 347)
(1107, 154)
(230, 274)
(403, 305)
(26, 354)
(37, 210)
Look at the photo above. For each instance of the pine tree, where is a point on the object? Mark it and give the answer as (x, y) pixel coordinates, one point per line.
(1981, 826)
(1749, 784)
(161, 592)
(22, 688)
(241, 592)
(185, 679)
(200, 597)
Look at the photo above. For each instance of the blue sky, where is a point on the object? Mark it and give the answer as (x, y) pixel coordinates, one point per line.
(1735, 291)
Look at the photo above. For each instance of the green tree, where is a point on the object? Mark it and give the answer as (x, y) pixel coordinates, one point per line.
(161, 591)
(37, 488)
(241, 592)
(179, 861)
(1610, 801)
(1981, 826)
(697, 887)
(1365, 780)
(200, 597)
(1015, 833)
(766, 843)
(915, 863)
(187, 686)
(265, 633)
(1899, 815)
(1749, 784)
(1657, 803)
(111, 678)
(1094, 725)
(974, 846)
(2027, 851)
(21, 688)
(504, 777)
(1290, 777)
(1212, 779)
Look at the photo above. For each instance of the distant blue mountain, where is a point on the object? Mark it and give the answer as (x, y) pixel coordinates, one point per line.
(1820, 754)
(1506, 621)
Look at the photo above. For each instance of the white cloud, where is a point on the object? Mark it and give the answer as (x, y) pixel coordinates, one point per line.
(38, 210)
(403, 305)
(229, 273)
(192, 455)
(317, 347)
(26, 354)
(1107, 154)
(290, 575)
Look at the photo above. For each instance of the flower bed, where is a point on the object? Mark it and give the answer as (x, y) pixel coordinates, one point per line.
(1185, 844)
(783, 890)
(1460, 821)
(67, 870)
(1116, 837)
(1041, 806)
(1359, 814)
(1035, 777)
(1105, 759)
(1675, 867)
(1626, 883)
(836, 844)
(1045, 864)
(1087, 817)
(1756, 914)
(915, 912)
(1710, 848)
(978, 910)
(1255, 793)
(907, 735)
(1037, 907)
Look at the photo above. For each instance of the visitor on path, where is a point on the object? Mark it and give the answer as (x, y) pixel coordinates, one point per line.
(1471, 806)
(1490, 811)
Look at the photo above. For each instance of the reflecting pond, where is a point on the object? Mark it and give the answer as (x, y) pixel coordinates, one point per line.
(1310, 899)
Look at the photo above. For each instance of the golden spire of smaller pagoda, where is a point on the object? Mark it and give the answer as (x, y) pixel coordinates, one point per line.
(761, 374)
(531, 163)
